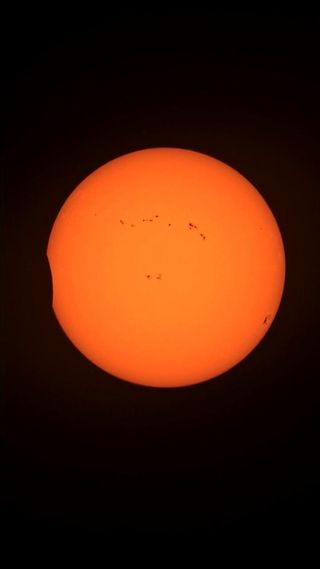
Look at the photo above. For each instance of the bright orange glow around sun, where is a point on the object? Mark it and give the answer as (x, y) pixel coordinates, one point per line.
(168, 267)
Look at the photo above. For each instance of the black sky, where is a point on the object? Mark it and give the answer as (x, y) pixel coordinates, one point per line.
(83, 451)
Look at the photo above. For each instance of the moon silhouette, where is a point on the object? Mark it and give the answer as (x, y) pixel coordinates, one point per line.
(168, 267)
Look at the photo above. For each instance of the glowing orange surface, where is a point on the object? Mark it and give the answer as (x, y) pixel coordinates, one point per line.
(168, 267)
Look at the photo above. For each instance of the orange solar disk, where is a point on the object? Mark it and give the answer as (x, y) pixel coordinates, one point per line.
(168, 267)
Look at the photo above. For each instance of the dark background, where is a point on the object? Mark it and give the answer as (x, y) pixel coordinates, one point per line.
(84, 452)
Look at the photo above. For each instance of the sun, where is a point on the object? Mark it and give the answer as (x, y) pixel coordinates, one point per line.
(168, 267)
